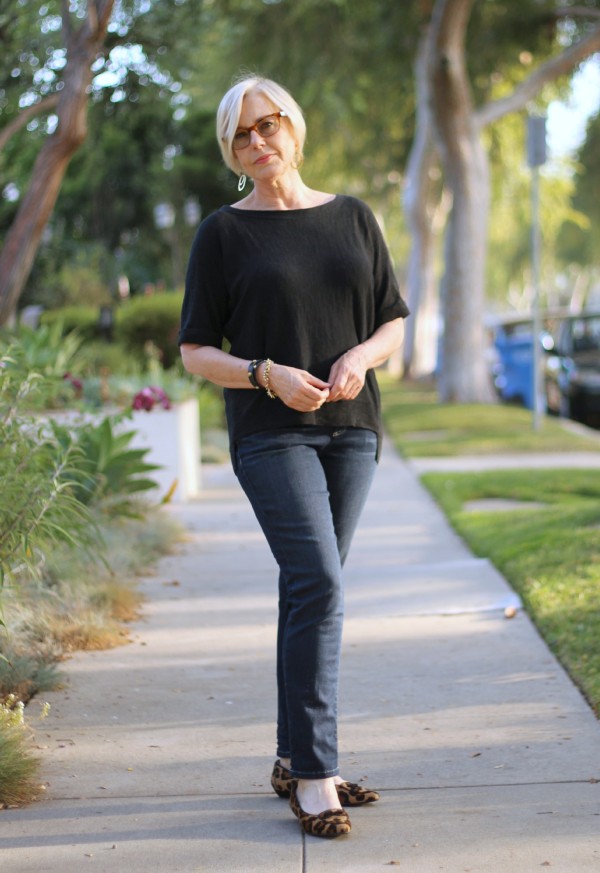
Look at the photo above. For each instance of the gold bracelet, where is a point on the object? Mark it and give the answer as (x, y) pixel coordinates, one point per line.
(266, 374)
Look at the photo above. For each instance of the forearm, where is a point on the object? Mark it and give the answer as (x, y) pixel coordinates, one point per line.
(215, 365)
(347, 376)
(381, 344)
(298, 389)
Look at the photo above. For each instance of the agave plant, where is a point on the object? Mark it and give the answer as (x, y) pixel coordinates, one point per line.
(111, 474)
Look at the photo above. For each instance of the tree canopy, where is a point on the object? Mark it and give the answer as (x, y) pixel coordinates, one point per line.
(160, 69)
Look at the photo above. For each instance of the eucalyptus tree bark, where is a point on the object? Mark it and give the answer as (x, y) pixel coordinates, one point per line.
(462, 373)
(457, 124)
(83, 44)
(418, 351)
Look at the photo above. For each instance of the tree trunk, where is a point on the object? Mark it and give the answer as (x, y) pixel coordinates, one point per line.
(457, 126)
(420, 339)
(22, 241)
(463, 373)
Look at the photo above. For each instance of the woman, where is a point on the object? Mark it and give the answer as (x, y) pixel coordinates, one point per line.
(300, 284)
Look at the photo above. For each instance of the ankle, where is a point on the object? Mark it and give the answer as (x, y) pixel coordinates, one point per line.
(317, 795)
(286, 762)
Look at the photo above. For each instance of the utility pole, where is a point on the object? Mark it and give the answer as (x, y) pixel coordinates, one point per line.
(536, 156)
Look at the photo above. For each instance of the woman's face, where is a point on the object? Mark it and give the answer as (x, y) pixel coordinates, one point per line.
(265, 159)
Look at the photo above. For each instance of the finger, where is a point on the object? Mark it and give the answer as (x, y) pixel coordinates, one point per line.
(349, 391)
(306, 398)
(317, 383)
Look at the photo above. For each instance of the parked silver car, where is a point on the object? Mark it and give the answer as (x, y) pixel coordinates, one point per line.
(572, 369)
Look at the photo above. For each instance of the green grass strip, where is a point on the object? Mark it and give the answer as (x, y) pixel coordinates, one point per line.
(422, 427)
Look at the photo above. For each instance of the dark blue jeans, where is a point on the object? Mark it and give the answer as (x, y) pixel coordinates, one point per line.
(307, 487)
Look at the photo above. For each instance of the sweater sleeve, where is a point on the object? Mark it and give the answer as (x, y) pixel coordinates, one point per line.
(388, 302)
(205, 303)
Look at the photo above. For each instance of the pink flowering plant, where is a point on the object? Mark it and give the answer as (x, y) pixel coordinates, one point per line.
(149, 397)
(75, 383)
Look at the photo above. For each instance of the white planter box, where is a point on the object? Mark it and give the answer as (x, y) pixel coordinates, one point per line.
(172, 437)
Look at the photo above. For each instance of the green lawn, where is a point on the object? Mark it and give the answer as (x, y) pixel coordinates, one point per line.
(550, 555)
(422, 427)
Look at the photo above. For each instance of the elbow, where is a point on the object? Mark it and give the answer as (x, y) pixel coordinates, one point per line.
(189, 358)
(398, 333)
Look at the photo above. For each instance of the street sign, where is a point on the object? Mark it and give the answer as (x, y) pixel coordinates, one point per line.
(536, 140)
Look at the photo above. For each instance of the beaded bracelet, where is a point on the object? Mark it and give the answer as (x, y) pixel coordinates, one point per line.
(266, 375)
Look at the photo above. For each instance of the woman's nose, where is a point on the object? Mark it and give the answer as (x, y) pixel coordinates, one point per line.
(256, 138)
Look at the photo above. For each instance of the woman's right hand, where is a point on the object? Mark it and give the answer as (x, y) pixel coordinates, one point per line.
(298, 389)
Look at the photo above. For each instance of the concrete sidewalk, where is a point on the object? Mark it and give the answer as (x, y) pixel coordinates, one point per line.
(158, 754)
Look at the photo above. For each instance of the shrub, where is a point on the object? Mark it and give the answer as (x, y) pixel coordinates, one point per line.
(23, 675)
(51, 476)
(47, 350)
(212, 407)
(18, 765)
(155, 319)
(38, 507)
(44, 359)
(77, 603)
(79, 273)
(83, 319)
(173, 386)
(99, 357)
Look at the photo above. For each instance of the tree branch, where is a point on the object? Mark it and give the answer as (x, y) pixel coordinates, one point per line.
(105, 8)
(99, 12)
(449, 22)
(25, 115)
(548, 71)
(451, 96)
(92, 16)
(66, 22)
(570, 11)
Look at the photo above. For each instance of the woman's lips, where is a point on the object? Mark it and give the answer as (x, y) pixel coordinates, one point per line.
(263, 159)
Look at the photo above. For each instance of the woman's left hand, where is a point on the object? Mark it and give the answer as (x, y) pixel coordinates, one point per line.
(347, 376)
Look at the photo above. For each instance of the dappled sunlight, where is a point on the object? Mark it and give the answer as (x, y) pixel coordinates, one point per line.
(260, 604)
(386, 533)
(227, 536)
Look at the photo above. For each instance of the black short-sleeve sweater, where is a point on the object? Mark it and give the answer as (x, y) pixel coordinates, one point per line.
(299, 286)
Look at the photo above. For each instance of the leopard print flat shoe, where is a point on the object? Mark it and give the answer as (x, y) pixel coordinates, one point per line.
(349, 793)
(329, 824)
(281, 780)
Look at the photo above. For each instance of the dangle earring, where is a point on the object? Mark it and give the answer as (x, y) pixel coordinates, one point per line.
(242, 182)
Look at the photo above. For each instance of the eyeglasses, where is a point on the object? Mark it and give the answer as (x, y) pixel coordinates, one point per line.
(265, 127)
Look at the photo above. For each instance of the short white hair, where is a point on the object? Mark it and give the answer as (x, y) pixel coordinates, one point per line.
(230, 109)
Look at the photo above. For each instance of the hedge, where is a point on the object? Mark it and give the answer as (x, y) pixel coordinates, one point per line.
(138, 321)
(154, 319)
(84, 319)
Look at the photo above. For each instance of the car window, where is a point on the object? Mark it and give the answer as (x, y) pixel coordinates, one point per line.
(585, 333)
